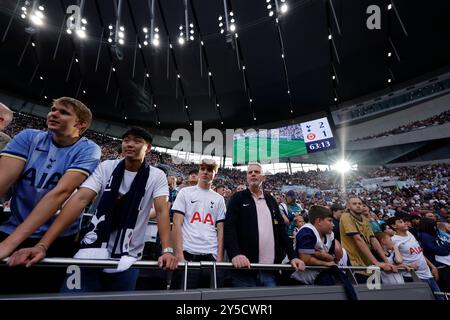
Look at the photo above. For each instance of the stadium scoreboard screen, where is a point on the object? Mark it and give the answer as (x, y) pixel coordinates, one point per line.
(276, 144)
(318, 135)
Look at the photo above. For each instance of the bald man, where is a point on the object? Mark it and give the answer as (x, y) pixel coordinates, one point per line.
(6, 116)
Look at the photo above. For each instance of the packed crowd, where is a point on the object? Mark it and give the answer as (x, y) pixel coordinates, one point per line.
(391, 214)
(427, 177)
(436, 120)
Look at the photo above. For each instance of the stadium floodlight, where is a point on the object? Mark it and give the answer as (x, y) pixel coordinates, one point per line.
(274, 6)
(35, 19)
(342, 166)
(36, 15)
(181, 39)
(81, 33)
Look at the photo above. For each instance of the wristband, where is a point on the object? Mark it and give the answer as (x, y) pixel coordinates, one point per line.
(43, 246)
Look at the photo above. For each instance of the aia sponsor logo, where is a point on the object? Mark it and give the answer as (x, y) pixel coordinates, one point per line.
(197, 218)
(417, 250)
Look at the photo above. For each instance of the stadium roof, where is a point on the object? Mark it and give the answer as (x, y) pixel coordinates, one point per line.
(289, 65)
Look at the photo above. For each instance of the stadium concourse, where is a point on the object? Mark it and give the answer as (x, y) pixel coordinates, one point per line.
(337, 187)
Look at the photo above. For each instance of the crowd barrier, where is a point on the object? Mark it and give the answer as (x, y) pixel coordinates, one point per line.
(416, 290)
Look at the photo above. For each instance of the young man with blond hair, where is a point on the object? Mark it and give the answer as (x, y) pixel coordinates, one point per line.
(199, 215)
(46, 168)
(6, 116)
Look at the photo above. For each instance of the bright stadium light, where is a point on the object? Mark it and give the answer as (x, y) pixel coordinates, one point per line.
(81, 33)
(37, 19)
(342, 166)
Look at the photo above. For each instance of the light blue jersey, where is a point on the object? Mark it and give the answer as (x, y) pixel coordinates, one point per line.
(46, 163)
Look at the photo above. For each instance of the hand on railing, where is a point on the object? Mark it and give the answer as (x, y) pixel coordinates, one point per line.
(240, 261)
(386, 267)
(298, 264)
(409, 267)
(6, 249)
(28, 256)
(168, 261)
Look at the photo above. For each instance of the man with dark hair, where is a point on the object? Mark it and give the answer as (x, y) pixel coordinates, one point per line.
(179, 184)
(316, 246)
(125, 190)
(192, 178)
(293, 208)
(45, 167)
(255, 233)
(315, 241)
(336, 210)
(220, 189)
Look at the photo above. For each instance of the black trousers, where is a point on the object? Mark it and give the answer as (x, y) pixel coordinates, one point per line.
(197, 278)
(444, 278)
(21, 280)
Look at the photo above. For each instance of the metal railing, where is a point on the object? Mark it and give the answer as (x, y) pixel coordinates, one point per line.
(445, 294)
(184, 266)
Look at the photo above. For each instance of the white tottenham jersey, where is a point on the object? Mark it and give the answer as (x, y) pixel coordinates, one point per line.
(156, 186)
(202, 210)
(411, 252)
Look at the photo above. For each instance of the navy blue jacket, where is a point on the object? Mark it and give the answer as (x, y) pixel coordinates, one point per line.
(241, 228)
(433, 247)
